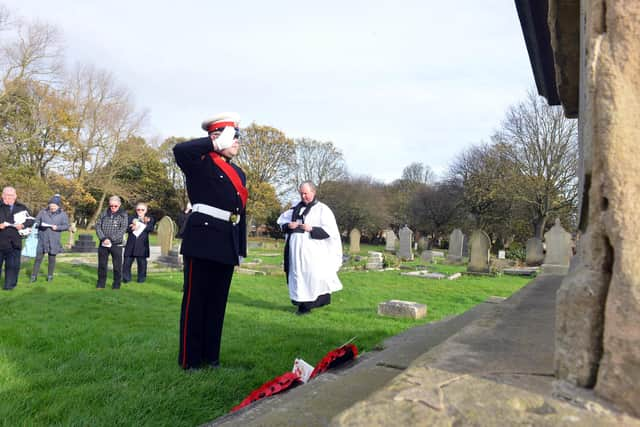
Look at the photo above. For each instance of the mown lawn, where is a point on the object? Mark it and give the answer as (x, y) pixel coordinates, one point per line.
(73, 355)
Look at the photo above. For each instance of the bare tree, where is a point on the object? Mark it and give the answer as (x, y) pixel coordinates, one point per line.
(318, 162)
(542, 144)
(267, 155)
(34, 51)
(419, 173)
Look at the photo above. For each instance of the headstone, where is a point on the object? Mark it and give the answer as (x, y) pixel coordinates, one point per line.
(558, 255)
(375, 261)
(502, 255)
(456, 240)
(423, 243)
(480, 245)
(398, 308)
(405, 252)
(72, 233)
(426, 256)
(390, 239)
(166, 231)
(85, 243)
(354, 241)
(437, 253)
(534, 252)
(172, 259)
(465, 248)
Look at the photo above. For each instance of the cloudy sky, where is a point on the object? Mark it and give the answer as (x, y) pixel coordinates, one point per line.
(389, 83)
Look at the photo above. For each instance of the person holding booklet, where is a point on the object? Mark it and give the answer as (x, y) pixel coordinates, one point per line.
(137, 246)
(14, 219)
(51, 222)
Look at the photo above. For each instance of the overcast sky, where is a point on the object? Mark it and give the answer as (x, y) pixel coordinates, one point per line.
(389, 83)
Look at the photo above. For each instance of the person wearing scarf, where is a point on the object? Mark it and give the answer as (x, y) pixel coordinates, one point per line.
(213, 237)
(313, 251)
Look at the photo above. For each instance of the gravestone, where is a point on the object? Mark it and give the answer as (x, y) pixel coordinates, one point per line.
(423, 243)
(558, 255)
(398, 308)
(375, 261)
(534, 252)
(480, 245)
(426, 256)
(72, 233)
(166, 231)
(502, 254)
(172, 259)
(404, 251)
(354, 241)
(456, 241)
(390, 239)
(85, 243)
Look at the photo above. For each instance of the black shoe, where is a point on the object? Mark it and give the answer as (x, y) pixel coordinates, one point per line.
(99, 286)
(303, 312)
(33, 279)
(49, 278)
(7, 289)
(215, 364)
(125, 281)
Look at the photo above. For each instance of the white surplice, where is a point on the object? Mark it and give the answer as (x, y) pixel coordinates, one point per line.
(313, 263)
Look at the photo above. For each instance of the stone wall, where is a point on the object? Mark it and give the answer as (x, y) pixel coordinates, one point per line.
(598, 311)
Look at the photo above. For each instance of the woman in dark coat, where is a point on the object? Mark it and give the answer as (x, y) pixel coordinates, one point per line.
(137, 246)
(51, 221)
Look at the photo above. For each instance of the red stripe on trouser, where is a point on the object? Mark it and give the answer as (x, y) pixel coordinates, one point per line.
(186, 318)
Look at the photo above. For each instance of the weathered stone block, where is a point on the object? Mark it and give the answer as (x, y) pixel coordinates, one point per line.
(398, 308)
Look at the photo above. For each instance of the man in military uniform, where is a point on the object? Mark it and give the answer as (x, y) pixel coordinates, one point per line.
(213, 239)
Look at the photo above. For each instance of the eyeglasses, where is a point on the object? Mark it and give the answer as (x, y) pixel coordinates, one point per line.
(114, 206)
(141, 209)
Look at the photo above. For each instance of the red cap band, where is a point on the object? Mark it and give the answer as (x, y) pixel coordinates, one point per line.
(218, 125)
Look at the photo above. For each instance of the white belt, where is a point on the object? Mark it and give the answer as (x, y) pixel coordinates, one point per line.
(233, 218)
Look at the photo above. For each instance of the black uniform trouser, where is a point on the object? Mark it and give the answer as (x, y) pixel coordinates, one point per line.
(116, 258)
(206, 288)
(36, 265)
(141, 262)
(11, 259)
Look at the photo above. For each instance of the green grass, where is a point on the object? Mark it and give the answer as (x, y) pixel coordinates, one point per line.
(72, 355)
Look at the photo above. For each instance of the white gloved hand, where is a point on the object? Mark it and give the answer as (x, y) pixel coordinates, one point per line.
(225, 139)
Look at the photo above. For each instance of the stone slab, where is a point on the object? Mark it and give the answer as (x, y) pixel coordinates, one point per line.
(399, 308)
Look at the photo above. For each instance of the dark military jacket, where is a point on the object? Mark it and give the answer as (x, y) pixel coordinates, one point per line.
(204, 236)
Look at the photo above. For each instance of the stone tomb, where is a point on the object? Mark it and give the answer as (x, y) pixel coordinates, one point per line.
(375, 261)
(85, 243)
(480, 246)
(398, 308)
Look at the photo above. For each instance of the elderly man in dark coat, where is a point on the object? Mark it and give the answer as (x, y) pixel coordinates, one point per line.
(52, 221)
(137, 246)
(14, 218)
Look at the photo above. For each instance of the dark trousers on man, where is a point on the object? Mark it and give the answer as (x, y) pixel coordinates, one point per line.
(206, 288)
(11, 260)
(116, 259)
(141, 262)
